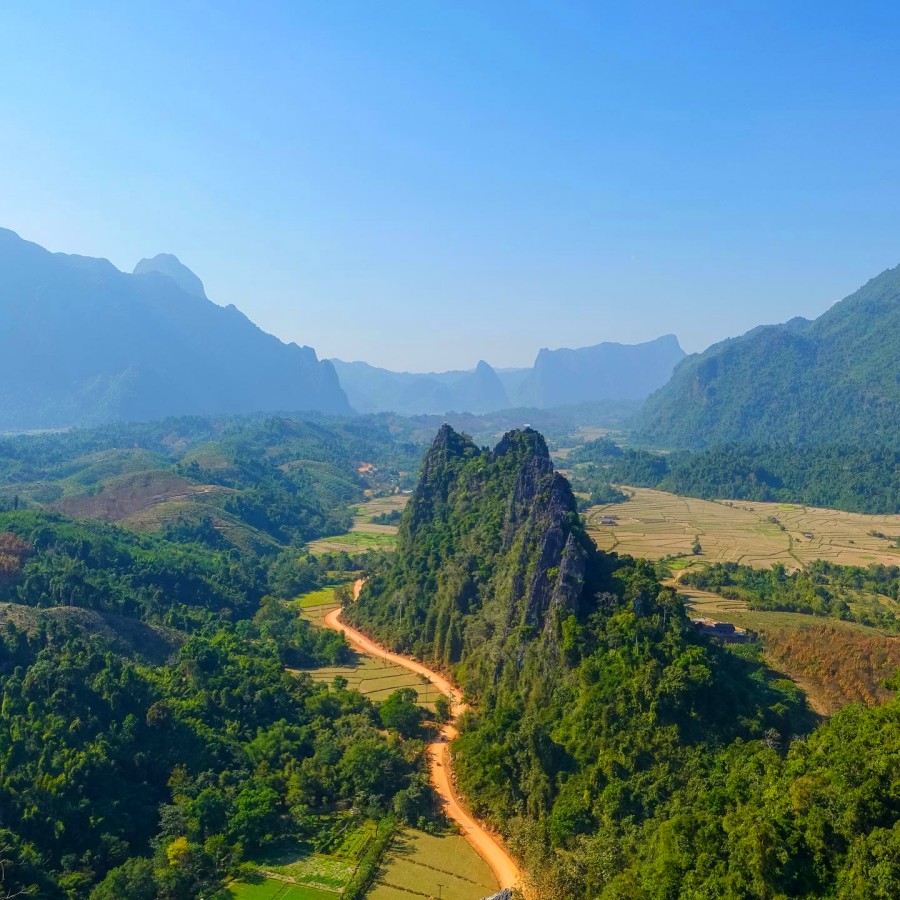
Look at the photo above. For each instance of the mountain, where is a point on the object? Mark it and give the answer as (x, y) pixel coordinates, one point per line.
(621, 752)
(371, 389)
(836, 378)
(174, 268)
(491, 541)
(623, 373)
(83, 343)
(605, 371)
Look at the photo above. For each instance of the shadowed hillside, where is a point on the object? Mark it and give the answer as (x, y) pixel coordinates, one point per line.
(84, 343)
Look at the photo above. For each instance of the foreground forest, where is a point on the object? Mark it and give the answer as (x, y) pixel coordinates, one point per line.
(621, 753)
(152, 737)
(157, 735)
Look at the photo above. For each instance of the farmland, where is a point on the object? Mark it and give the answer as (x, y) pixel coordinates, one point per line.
(654, 524)
(375, 678)
(297, 873)
(364, 533)
(424, 865)
(835, 662)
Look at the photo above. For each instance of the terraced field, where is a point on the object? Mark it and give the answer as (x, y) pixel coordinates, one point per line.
(375, 678)
(654, 524)
(424, 865)
(364, 533)
(299, 874)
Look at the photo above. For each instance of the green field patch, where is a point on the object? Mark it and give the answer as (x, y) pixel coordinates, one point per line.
(321, 597)
(354, 541)
(261, 888)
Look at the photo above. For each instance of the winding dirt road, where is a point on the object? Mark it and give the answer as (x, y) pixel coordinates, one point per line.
(483, 842)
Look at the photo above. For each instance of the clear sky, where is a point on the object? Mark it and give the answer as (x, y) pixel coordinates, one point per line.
(421, 184)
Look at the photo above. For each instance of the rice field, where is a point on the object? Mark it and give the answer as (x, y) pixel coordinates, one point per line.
(654, 524)
(424, 865)
(260, 888)
(297, 873)
(364, 533)
(377, 679)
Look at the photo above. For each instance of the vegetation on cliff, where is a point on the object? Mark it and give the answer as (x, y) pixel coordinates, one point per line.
(621, 753)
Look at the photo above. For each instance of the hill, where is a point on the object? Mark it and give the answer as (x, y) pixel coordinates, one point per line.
(608, 371)
(84, 343)
(371, 389)
(619, 373)
(833, 379)
(621, 752)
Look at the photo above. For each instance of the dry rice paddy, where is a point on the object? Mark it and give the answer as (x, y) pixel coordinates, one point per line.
(654, 524)
(422, 865)
(375, 678)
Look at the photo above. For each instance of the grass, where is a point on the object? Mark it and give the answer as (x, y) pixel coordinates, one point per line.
(364, 534)
(296, 873)
(322, 597)
(260, 888)
(418, 863)
(354, 542)
(654, 524)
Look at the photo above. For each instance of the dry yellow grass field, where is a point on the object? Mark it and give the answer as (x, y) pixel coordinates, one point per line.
(654, 524)
(375, 678)
(423, 865)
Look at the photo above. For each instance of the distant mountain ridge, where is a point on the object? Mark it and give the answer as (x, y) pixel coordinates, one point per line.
(84, 343)
(836, 378)
(607, 371)
(604, 372)
(372, 389)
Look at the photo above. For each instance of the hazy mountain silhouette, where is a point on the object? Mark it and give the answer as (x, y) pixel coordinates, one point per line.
(606, 372)
(174, 268)
(84, 343)
(372, 389)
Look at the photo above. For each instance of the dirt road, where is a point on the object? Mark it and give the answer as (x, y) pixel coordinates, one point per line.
(484, 843)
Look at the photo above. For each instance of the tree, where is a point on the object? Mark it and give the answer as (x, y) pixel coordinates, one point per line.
(401, 712)
(135, 879)
(442, 708)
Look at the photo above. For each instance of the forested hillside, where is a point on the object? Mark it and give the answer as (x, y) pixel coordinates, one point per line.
(831, 380)
(252, 483)
(622, 755)
(856, 478)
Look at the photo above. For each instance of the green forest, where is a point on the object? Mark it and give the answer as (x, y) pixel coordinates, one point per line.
(821, 589)
(856, 478)
(152, 738)
(622, 754)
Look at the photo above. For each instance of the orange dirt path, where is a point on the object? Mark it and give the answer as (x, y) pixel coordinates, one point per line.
(483, 842)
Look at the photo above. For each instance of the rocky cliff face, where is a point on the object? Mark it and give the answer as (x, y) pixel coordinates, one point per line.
(492, 556)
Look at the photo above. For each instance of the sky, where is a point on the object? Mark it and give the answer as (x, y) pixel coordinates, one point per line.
(424, 184)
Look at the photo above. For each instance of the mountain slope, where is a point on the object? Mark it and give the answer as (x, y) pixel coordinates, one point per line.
(835, 378)
(84, 343)
(598, 713)
(491, 546)
(605, 371)
(625, 373)
(372, 389)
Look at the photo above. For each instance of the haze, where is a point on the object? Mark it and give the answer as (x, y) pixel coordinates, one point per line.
(423, 185)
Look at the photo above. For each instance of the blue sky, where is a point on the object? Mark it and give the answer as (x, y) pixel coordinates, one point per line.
(422, 184)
